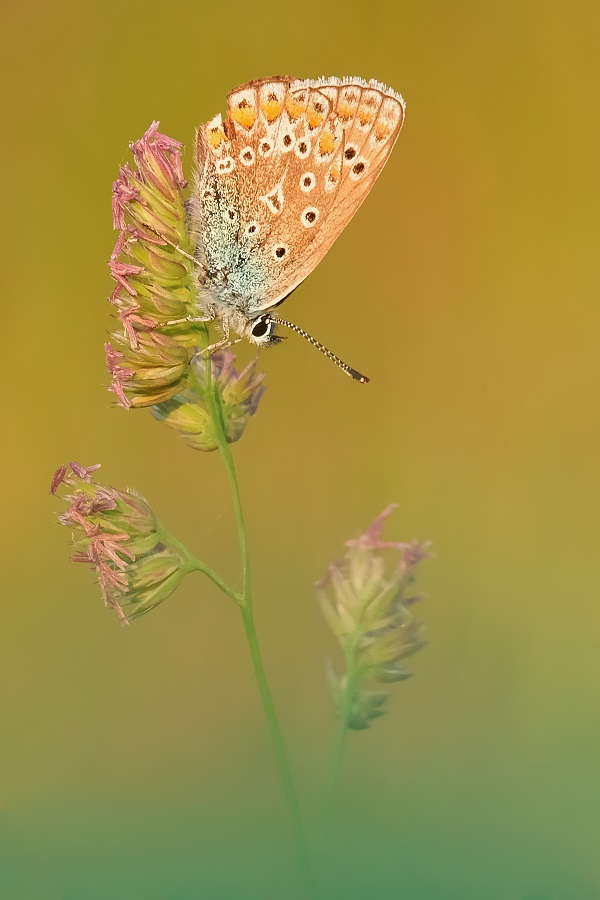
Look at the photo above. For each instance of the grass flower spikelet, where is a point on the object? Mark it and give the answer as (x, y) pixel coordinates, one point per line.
(367, 604)
(137, 564)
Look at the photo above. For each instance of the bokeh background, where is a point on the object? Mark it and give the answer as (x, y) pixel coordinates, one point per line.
(135, 763)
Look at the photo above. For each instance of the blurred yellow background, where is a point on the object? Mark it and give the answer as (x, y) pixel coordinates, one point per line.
(135, 763)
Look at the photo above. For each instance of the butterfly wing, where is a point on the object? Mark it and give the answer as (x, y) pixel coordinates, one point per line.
(281, 177)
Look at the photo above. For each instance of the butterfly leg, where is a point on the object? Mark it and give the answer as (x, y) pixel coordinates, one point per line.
(191, 319)
(223, 343)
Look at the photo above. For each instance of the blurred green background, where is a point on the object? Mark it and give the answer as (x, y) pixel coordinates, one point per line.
(135, 762)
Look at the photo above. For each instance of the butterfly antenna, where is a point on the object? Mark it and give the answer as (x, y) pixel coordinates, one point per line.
(353, 373)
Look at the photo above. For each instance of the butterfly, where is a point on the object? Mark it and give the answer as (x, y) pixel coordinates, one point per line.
(276, 182)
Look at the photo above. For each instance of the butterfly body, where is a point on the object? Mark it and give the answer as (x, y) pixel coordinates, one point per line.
(276, 182)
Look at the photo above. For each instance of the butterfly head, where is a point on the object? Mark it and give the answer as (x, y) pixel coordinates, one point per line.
(261, 331)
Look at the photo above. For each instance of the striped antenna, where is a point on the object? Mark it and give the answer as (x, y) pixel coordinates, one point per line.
(353, 373)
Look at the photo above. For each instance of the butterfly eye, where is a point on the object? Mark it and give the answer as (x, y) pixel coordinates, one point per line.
(261, 327)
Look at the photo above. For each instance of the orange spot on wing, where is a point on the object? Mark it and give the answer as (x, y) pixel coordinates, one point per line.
(345, 111)
(315, 118)
(244, 116)
(334, 173)
(216, 136)
(381, 132)
(326, 143)
(365, 115)
(271, 109)
(295, 108)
